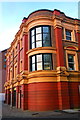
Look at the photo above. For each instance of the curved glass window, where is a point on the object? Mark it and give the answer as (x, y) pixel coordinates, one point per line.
(40, 37)
(41, 62)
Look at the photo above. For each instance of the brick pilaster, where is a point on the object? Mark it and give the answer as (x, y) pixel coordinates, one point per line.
(63, 95)
(59, 46)
(18, 50)
(78, 39)
(8, 96)
(17, 96)
(12, 96)
(25, 49)
(24, 97)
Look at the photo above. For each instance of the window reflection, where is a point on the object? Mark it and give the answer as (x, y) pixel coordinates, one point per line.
(41, 62)
(33, 59)
(33, 63)
(40, 36)
(47, 66)
(39, 44)
(46, 37)
(33, 39)
(33, 67)
(32, 32)
(45, 29)
(47, 61)
(39, 58)
(71, 62)
(33, 45)
(68, 35)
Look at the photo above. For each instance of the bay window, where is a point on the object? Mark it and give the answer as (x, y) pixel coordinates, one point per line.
(41, 62)
(40, 37)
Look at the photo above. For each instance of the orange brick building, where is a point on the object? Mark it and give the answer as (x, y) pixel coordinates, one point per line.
(43, 63)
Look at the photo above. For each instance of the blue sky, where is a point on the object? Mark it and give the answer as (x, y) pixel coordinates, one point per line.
(12, 14)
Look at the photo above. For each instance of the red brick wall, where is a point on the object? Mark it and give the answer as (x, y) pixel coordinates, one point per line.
(63, 95)
(74, 94)
(42, 96)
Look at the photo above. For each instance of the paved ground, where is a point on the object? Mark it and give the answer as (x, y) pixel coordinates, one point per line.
(9, 112)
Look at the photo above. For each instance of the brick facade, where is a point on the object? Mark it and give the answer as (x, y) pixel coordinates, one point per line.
(41, 90)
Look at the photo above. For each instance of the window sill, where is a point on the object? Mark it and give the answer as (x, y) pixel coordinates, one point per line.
(70, 41)
(40, 48)
(36, 71)
(72, 70)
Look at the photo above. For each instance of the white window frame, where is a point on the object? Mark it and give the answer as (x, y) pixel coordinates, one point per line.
(75, 59)
(73, 37)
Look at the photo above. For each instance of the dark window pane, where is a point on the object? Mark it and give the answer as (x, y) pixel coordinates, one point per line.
(46, 37)
(5, 60)
(70, 58)
(68, 38)
(71, 62)
(46, 40)
(47, 57)
(46, 29)
(71, 66)
(47, 62)
(46, 43)
(4, 66)
(68, 33)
